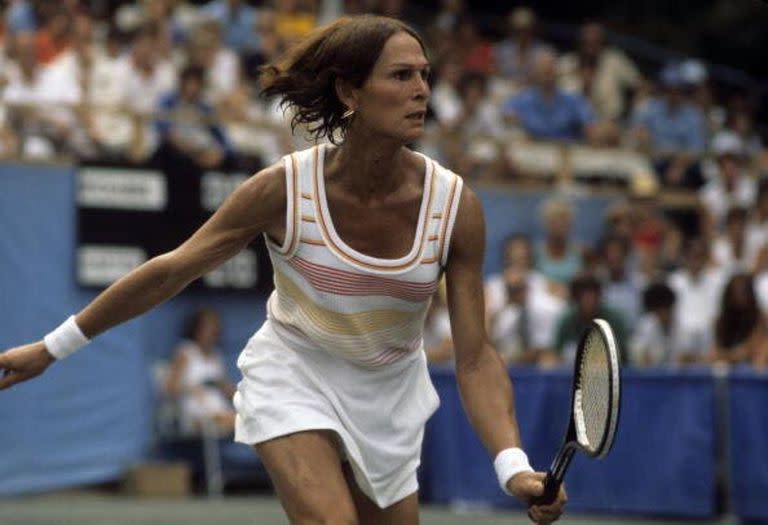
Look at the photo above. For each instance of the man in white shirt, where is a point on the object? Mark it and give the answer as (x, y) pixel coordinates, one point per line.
(698, 287)
(522, 307)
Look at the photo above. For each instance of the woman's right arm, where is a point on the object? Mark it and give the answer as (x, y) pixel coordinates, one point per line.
(257, 206)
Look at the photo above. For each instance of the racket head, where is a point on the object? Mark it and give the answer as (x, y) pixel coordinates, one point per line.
(596, 391)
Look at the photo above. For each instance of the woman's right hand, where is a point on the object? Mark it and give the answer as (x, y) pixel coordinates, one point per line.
(23, 362)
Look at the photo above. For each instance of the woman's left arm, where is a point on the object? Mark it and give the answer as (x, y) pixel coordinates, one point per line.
(484, 383)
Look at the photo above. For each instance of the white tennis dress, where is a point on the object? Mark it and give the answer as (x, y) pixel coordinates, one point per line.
(342, 345)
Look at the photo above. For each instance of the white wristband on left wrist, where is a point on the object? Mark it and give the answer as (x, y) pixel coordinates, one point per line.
(66, 339)
(508, 463)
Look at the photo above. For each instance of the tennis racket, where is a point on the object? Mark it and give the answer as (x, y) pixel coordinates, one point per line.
(596, 396)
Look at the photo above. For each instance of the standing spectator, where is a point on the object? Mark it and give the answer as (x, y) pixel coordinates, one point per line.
(621, 286)
(546, 112)
(557, 257)
(696, 78)
(186, 131)
(586, 304)
(237, 20)
(605, 75)
(730, 184)
(741, 334)
(198, 379)
(698, 287)
(514, 56)
(656, 339)
(675, 131)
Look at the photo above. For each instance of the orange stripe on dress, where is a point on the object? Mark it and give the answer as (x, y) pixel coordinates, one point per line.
(306, 196)
(308, 218)
(339, 251)
(313, 242)
(449, 207)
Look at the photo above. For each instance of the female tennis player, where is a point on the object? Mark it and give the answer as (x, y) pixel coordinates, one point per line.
(335, 390)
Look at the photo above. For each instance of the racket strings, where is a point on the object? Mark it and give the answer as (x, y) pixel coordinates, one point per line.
(593, 396)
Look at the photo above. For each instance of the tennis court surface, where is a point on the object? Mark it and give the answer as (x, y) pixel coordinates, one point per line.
(97, 509)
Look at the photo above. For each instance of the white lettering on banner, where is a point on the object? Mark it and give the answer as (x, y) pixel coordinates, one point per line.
(241, 271)
(216, 186)
(124, 189)
(102, 265)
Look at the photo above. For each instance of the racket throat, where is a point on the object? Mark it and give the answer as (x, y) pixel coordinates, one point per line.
(560, 464)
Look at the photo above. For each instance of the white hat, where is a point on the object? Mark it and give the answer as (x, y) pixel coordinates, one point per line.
(727, 143)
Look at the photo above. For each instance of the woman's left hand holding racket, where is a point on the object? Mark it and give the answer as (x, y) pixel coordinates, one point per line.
(528, 485)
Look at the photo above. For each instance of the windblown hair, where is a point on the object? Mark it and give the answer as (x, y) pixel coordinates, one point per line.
(304, 78)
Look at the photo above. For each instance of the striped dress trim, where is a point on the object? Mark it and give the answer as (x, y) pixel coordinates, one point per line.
(353, 257)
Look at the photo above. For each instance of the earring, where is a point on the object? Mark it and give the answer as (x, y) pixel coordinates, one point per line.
(348, 113)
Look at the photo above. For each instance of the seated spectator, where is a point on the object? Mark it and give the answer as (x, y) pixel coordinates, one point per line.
(586, 304)
(221, 65)
(735, 250)
(186, 130)
(21, 17)
(515, 55)
(741, 334)
(445, 100)
(758, 219)
(40, 101)
(472, 50)
(621, 286)
(730, 184)
(605, 75)
(674, 130)
(294, 20)
(198, 379)
(237, 20)
(741, 120)
(698, 287)
(656, 338)
(696, 78)
(54, 38)
(557, 257)
(546, 112)
(522, 306)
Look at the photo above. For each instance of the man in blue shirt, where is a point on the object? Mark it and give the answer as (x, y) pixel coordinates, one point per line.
(546, 112)
(186, 129)
(674, 130)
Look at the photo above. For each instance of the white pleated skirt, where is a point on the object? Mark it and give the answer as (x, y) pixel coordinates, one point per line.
(378, 414)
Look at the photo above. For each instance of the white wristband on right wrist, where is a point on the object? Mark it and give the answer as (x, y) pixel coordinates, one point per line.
(508, 463)
(66, 339)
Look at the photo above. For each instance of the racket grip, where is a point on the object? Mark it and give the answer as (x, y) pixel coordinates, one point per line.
(551, 489)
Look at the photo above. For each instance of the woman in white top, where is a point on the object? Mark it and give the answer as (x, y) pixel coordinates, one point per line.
(335, 390)
(197, 378)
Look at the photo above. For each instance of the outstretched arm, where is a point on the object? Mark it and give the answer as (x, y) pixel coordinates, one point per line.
(257, 206)
(484, 383)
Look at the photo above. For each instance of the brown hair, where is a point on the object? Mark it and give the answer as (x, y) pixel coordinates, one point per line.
(304, 78)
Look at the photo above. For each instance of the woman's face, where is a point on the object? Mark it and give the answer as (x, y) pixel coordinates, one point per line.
(393, 100)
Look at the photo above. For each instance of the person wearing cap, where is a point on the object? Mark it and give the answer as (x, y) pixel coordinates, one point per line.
(674, 131)
(730, 185)
(514, 56)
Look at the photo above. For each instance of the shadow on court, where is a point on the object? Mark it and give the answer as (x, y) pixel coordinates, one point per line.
(88, 509)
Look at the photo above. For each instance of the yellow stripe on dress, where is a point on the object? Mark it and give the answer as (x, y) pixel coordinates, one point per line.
(360, 323)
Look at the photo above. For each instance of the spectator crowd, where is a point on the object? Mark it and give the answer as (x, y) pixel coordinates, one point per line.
(179, 80)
